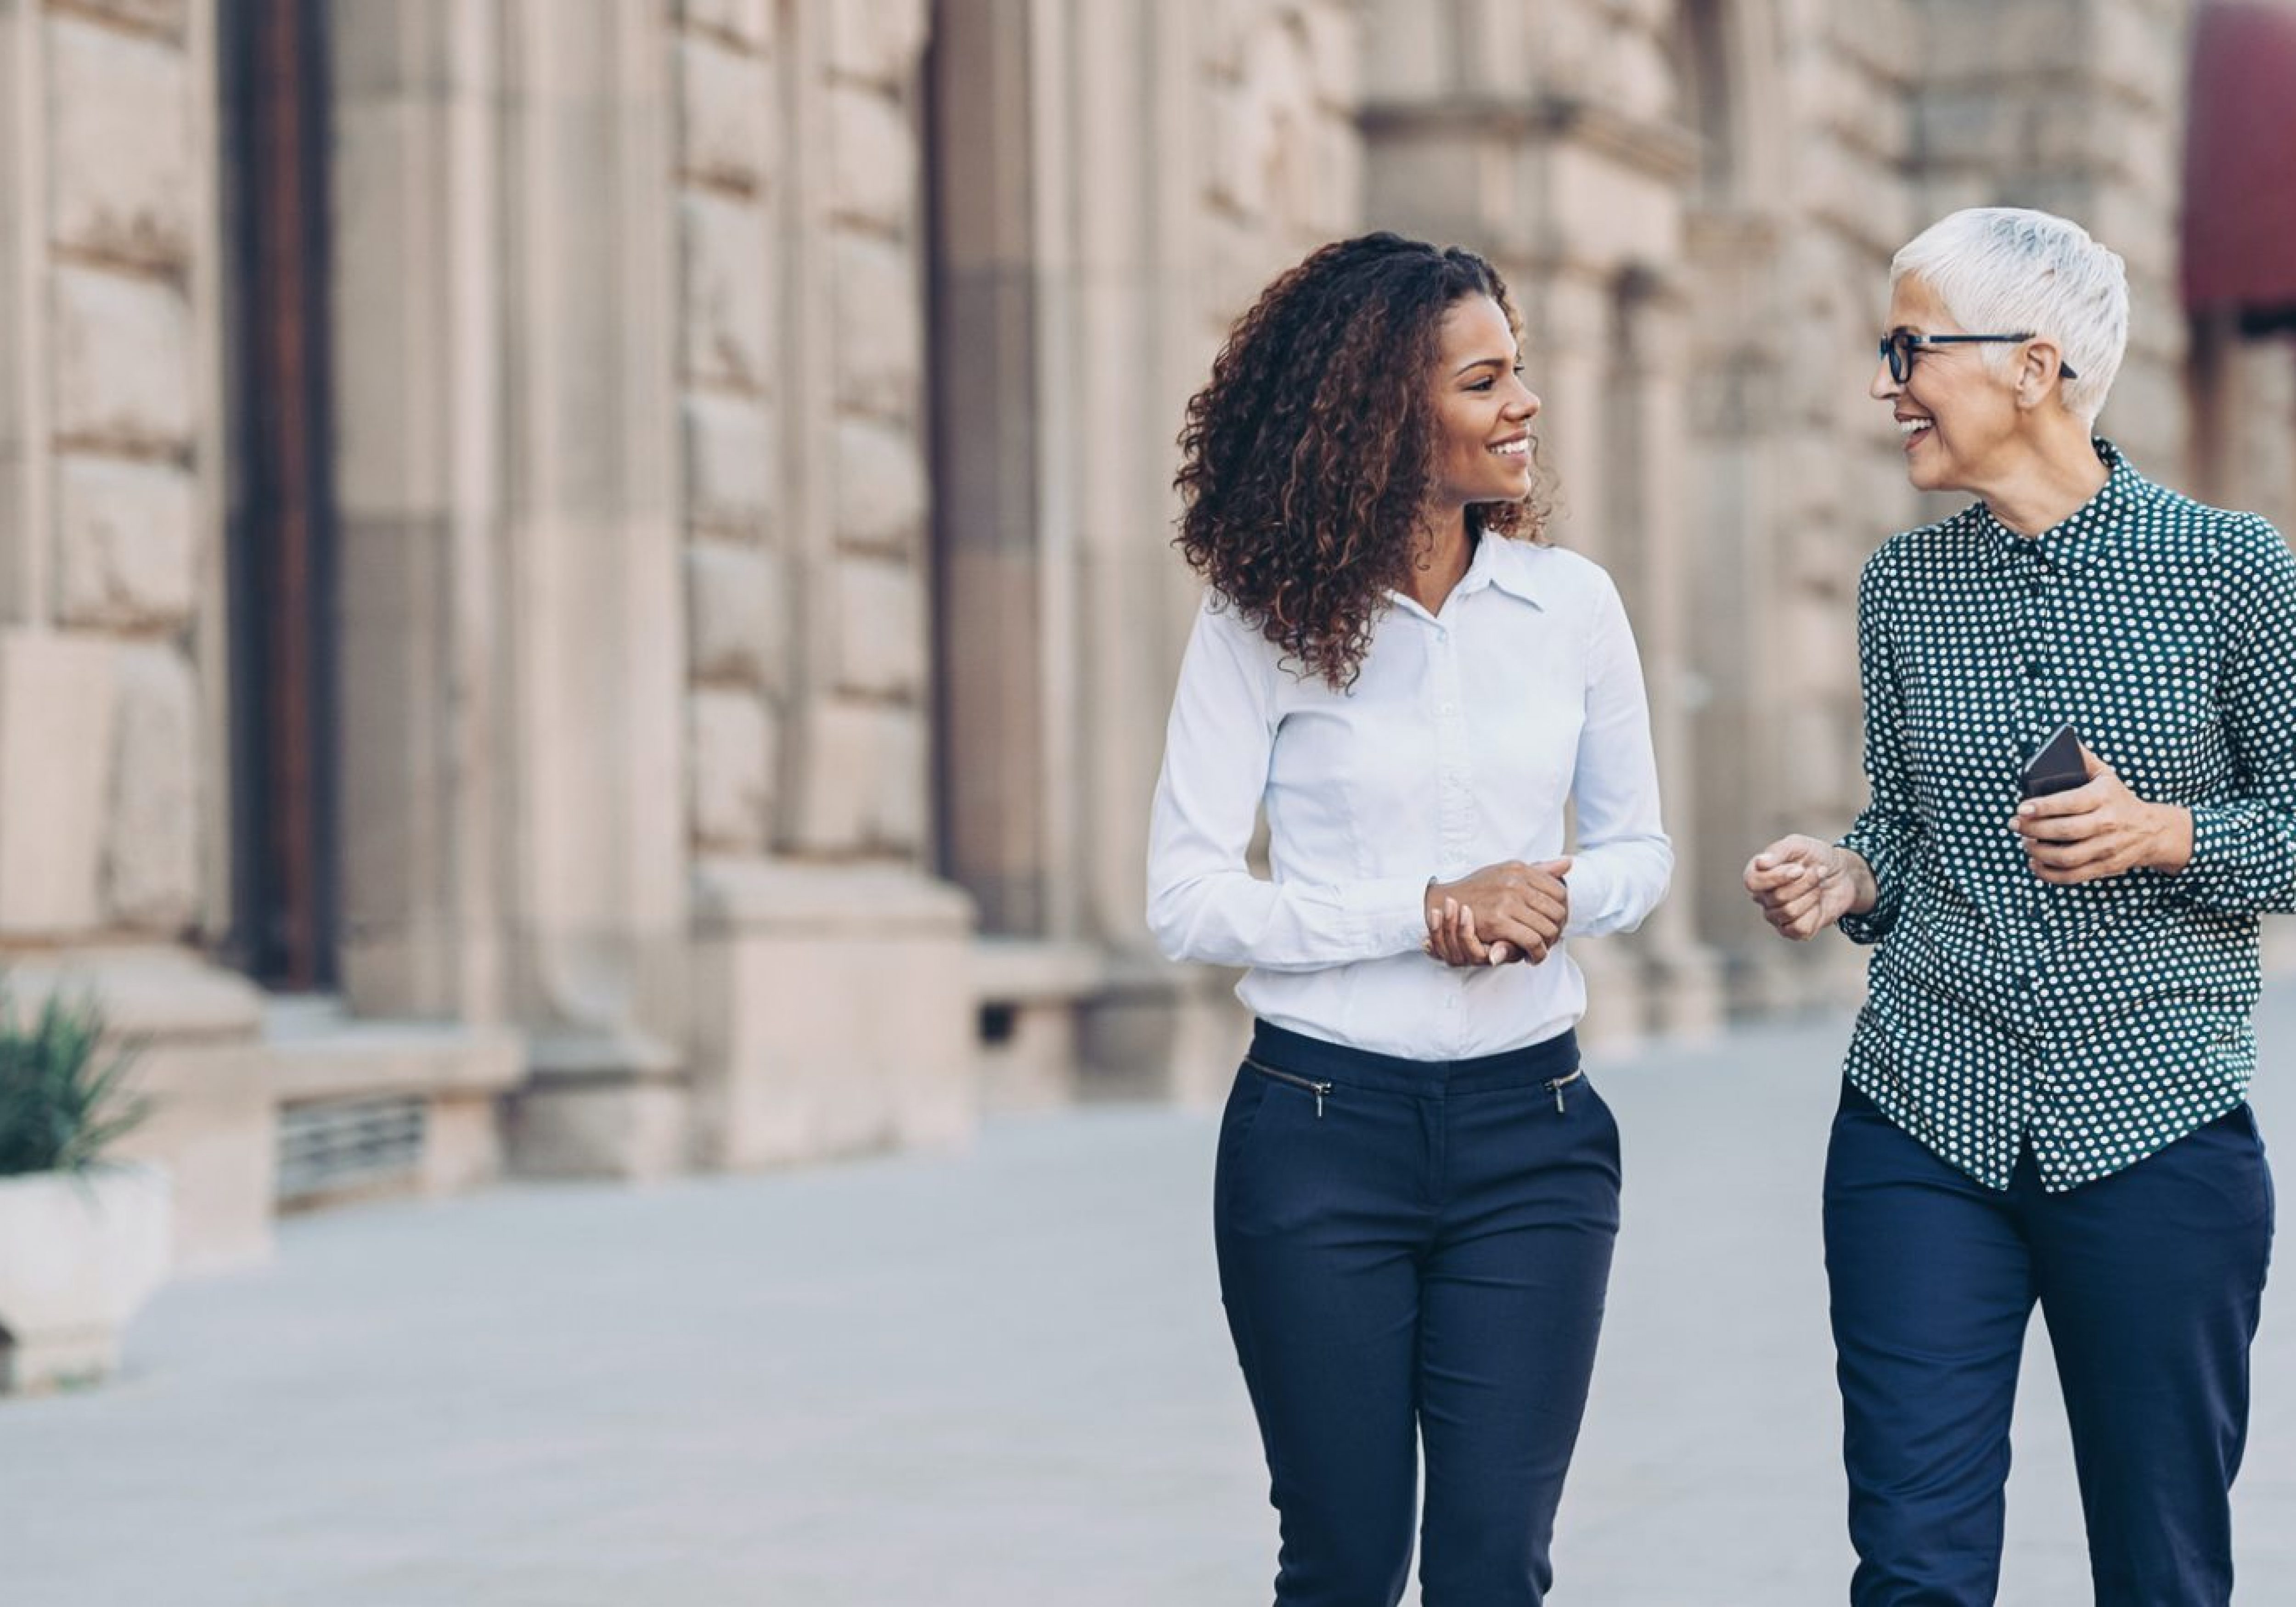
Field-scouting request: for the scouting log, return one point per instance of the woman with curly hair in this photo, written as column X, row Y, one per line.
column 1418, row 1189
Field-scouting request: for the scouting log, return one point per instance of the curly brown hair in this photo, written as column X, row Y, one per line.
column 1305, row 461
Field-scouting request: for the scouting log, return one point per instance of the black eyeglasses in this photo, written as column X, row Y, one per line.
column 1899, row 346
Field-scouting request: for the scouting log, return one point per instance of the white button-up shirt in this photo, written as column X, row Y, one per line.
column 1458, row 747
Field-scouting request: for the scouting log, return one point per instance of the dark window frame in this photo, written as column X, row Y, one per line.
column 276, row 93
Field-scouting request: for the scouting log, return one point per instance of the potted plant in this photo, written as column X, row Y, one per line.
column 83, row 1240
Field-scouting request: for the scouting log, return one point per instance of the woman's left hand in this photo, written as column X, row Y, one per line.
column 1452, row 937
column 2101, row 829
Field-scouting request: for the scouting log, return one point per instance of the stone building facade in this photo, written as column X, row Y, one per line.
column 586, row 583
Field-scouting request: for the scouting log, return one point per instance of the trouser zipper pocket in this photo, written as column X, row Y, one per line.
column 1555, row 1084
column 1320, row 1089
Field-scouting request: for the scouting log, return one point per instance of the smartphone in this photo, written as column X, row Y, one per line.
column 2057, row 768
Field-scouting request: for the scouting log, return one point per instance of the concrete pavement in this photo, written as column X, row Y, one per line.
column 993, row 1380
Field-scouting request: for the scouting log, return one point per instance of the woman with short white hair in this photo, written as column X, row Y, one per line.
column 2080, row 740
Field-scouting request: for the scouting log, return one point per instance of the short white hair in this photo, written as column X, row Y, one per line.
column 2002, row 270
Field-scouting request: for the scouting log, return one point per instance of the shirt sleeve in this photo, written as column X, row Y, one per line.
column 1204, row 904
column 1624, row 859
column 1885, row 832
column 2244, row 846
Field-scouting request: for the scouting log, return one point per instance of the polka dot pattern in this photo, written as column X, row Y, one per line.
column 2100, row 1021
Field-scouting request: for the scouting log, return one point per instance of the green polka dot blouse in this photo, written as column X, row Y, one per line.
column 2098, row 1022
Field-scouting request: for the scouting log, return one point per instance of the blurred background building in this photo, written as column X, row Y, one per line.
column 586, row 583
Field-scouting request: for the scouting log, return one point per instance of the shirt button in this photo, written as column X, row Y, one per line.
column 2034, row 668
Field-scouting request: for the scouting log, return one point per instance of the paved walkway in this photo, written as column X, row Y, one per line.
column 994, row 1379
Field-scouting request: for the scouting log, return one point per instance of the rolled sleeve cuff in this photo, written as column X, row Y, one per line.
column 1874, row 925
column 2237, row 864
column 2212, row 852
column 1389, row 914
column 1593, row 887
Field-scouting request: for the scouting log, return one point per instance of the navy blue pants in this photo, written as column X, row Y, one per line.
column 2150, row 1281
column 1414, row 1254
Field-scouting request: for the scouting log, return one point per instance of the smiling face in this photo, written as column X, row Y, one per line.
column 1960, row 421
column 1482, row 411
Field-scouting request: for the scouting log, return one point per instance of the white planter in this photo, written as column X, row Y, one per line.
column 77, row 1256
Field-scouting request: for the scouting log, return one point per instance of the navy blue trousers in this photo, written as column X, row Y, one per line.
column 1414, row 1254
column 2149, row 1282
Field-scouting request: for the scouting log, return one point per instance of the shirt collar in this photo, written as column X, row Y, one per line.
column 2081, row 538
column 1506, row 563
column 1501, row 561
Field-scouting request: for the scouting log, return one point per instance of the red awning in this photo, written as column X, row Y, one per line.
column 2240, row 158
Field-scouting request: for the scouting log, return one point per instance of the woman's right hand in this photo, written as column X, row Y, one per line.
column 1804, row 885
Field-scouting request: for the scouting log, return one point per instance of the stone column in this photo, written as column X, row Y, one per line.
column 419, row 345
column 1003, row 613
column 1105, row 484
column 1684, row 974
column 1832, row 481
column 1736, row 402
column 1235, row 122
column 1740, row 334
column 593, row 616
column 1569, row 314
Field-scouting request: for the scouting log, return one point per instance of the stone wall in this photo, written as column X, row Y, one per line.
column 736, row 558
column 113, row 662
column 2074, row 106
column 800, row 168
column 110, row 441
column 861, row 774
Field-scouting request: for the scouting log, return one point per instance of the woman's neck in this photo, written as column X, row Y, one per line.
column 2049, row 483
column 1439, row 560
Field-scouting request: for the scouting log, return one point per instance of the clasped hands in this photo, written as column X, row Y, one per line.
column 1501, row 912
